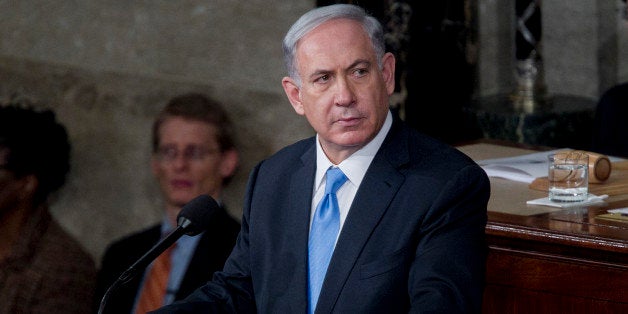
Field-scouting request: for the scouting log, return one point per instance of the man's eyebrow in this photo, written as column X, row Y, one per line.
column 353, row 65
column 360, row 62
column 319, row 72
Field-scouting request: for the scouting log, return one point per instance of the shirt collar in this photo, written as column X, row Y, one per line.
column 167, row 227
column 185, row 244
column 356, row 165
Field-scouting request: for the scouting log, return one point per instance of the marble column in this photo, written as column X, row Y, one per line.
column 530, row 92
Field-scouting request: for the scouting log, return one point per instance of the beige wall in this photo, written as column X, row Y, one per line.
column 107, row 67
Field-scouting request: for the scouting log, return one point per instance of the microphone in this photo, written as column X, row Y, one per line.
column 193, row 219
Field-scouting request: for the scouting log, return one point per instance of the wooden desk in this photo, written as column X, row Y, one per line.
column 546, row 260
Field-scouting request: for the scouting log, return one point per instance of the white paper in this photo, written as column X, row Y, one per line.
column 591, row 200
column 524, row 168
column 619, row 210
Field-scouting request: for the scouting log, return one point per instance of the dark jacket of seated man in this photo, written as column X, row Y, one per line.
column 209, row 256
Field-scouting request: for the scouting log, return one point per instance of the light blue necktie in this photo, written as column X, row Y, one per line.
column 325, row 226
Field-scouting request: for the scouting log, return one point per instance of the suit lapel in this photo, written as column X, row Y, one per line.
column 300, row 200
column 301, row 186
column 378, row 188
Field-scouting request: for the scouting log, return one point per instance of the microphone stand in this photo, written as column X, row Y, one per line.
column 141, row 263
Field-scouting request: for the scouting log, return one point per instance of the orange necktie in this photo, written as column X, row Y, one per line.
column 154, row 289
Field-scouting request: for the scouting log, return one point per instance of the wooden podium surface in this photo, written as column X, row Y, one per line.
column 551, row 260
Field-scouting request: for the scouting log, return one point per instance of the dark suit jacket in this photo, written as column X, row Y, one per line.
column 413, row 239
column 610, row 127
column 211, row 252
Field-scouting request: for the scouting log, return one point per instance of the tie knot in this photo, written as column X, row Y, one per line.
column 335, row 179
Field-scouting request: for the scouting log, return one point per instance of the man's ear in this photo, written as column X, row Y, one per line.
column 294, row 94
column 229, row 163
column 388, row 72
column 28, row 185
column 31, row 183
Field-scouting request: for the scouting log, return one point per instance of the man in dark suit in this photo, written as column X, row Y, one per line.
column 193, row 154
column 406, row 225
column 610, row 130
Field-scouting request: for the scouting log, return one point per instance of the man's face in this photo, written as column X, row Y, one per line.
column 189, row 162
column 343, row 94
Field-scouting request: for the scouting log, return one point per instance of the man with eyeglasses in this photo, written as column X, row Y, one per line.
column 193, row 153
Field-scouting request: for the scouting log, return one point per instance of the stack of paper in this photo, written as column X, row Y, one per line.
column 524, row 168
column 619, row 214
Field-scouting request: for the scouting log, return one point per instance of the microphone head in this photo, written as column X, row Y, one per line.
column 196, row 215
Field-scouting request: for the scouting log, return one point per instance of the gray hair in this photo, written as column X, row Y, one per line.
column 318, row 16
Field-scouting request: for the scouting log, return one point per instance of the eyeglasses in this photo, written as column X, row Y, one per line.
column 190, row 153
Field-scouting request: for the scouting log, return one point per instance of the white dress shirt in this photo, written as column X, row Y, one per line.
column 353, row 167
